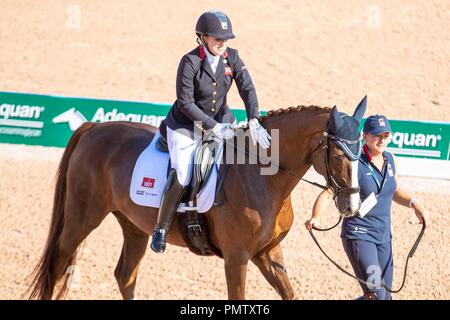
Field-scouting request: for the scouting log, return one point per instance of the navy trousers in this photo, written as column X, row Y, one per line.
column 371, row 262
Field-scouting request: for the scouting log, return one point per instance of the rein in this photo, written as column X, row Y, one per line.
column 232, row 144
column 325, row 149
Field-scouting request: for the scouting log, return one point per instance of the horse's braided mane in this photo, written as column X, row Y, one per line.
column 273, row 113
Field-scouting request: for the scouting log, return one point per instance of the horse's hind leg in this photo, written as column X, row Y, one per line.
column 271, row 264
column 78, row 223
column 133, row 249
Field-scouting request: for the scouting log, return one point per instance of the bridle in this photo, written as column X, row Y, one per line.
column 342, row 143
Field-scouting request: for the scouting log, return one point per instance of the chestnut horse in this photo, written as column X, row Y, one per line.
column 94, row 176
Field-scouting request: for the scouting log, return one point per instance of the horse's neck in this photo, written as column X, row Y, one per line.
column 299, row 135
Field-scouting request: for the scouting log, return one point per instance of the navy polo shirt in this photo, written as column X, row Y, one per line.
column 375, row 226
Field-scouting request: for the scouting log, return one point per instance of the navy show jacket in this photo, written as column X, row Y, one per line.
column 202, row 94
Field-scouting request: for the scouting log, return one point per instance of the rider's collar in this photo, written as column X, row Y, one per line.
column 211, row 58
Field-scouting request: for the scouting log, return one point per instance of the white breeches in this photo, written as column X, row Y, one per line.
column 181, row 151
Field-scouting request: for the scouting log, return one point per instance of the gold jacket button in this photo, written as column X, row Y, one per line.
column 214, row 101
column 214, row 92
column 212, row 110
column 214, row 84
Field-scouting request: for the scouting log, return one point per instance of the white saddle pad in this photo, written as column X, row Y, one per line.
column 150, row 176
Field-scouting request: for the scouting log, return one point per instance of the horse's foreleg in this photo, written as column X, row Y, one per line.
column 271, row 264
column 236, row 273
column 133, row 249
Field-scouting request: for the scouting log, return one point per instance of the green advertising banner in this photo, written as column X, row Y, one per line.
column 49, row 120
column 419, row 139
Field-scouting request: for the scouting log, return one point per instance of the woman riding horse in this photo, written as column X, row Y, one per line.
column 94, row 178
column 203, row 80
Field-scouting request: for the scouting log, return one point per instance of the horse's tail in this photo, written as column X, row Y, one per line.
column 42, row 283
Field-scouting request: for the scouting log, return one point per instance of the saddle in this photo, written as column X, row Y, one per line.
column 194, row 226
column 204, row 159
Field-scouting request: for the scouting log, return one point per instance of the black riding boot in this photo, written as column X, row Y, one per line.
column 173, row 192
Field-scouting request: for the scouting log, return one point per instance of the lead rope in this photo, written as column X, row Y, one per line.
column 410, row 255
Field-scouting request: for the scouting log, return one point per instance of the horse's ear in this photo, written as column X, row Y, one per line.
column 360, row 109
column 335, row 118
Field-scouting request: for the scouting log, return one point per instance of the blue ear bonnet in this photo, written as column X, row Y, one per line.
column 346, row 135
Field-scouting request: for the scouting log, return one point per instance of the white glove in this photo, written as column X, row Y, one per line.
column 223, row 131
column 259, row 134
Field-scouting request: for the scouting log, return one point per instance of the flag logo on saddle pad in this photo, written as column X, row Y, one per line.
column 148, row 182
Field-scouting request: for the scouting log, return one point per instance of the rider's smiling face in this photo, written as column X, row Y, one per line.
column 216, row 46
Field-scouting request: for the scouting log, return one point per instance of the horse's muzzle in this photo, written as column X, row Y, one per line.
column 348, row 205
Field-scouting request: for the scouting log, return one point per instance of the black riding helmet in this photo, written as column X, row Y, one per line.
column 215, row 24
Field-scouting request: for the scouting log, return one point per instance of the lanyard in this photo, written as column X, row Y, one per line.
column 373, row 174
